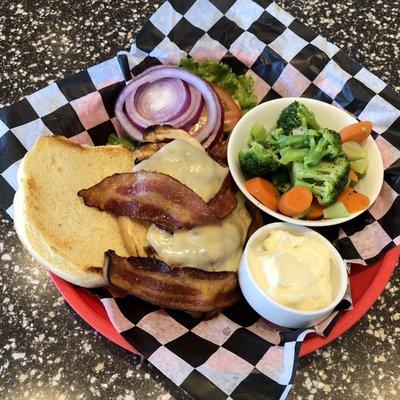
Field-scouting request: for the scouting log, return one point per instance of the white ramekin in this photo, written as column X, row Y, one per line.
column 270, row 309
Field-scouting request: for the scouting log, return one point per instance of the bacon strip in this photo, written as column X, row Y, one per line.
column 219, row 151
column 150, row 196
column 257, row 220
column 145, row 151
column 225, row 201
column 186, row 289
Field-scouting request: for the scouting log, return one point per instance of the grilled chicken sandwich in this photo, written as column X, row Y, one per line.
column 163, row 222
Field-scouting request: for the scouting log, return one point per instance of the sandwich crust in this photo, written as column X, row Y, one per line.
column 52, row 222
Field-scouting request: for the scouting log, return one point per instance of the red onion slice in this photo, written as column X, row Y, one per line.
column 157, row 98
column 200, row 89
column 192, row 114
column 157, row 102
column 183, row 121
column 215, row 135
column 126, row 124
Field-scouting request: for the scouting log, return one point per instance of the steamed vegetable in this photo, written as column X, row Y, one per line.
column 326, row 180
column 353, row 201
column 293, row 155
column 324, row 143
column 281, row 180
column 114, row 139
column 357, row 132
column 328, row 146
column 308, row 138
column 268, row 139
column 307, row 164
column 258, row 161
column 295, row 202
column 353, row 178
column 360, row 167
column 316, row 211
column 354, row 151
column 240, row 87
column 264, row 191
column 296, row 115
column 272, row 138
column 336, row 210
column 259, row 134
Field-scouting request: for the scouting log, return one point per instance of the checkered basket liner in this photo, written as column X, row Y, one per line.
column 236, row 355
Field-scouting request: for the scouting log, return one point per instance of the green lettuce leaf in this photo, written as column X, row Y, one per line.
column 114, row 139
column 239, row 87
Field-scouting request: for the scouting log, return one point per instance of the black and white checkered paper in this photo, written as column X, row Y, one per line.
column 236, row 355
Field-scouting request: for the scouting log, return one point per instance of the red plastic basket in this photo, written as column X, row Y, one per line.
column 367, row 283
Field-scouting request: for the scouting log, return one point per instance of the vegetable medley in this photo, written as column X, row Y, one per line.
column 305, row 170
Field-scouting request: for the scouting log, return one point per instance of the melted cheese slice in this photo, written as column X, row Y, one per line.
column 188, row 164
column 216, row 247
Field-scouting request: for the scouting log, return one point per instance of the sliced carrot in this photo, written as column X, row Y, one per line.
column 263, row 191
column 353, row 176
column 316, row 211
column 295, row 201
column 353, row 201
column 357, row 132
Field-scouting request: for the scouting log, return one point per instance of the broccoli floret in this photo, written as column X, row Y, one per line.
column 277, row 133
column 267, row 139
column 306, row 139
column 257, row 132
column 258, row 161
column 270, row 141
column 294, row 141
column 329, row 145
column 326, row 180
column 281, row 180
column 297, row 115
column 293, row 155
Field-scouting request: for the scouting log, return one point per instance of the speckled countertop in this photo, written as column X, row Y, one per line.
column 46, row 350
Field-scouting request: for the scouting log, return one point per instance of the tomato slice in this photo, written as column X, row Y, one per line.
column 232, row 112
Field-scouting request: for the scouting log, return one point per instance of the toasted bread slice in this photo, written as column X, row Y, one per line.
column 52, row 222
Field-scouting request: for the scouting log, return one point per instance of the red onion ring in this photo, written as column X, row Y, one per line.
column 126, row 124
column 191, row 115
column 213, row 138
column 200, row 91
column 157, row 102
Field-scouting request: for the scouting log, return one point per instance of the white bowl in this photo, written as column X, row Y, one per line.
column 269, row 308
column 327, row 116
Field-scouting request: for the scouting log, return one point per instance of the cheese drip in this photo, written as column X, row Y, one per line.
column 190, row 165
column 216, row 247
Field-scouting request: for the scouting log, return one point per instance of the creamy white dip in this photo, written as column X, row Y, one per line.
column 295, row 271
